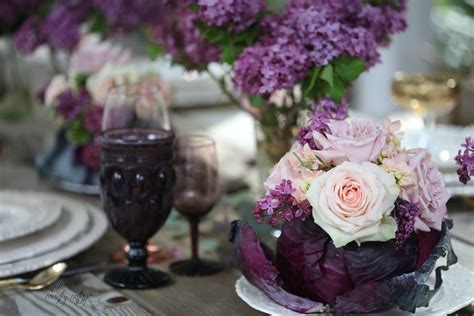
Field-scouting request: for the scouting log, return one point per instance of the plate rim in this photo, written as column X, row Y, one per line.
column 97, row 227
column 33, row 226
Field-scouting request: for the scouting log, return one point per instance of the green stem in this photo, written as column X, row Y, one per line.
column 223, row 87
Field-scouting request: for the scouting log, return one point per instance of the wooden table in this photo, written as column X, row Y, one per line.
column 214, row 295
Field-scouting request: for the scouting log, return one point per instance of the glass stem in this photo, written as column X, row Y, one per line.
column 194, row 228
column 429, row 121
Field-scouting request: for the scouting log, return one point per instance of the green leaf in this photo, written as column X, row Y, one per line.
column 77, row 134
column 81, row 80
column 194, row 7
column 337, row 91
column 349, row 68
column 256, row 101
column 99, row 24
column 215, row 35
column 228, row 54
column 154, row 50
column 327, row 74
column 310, row 81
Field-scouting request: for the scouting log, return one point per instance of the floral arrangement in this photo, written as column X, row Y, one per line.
column 77, row 98
column 280, row 61
column 363, row 219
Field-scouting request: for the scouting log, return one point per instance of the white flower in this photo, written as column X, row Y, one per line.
column 93, row 54
column 56, row 86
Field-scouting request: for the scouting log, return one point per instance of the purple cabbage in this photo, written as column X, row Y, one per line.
column 308, row 272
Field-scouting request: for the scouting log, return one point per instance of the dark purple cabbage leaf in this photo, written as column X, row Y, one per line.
column 352, row 279
column 255, row 262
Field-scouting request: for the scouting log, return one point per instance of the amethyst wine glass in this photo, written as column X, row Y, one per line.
column 195, row 193
column 137, row 177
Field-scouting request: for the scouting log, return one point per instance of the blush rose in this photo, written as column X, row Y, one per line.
column 429, row 191
column 353, row 202
column 356, row 141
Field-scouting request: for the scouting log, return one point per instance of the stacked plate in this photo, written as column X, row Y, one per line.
column 444, row 144
column 38, row 229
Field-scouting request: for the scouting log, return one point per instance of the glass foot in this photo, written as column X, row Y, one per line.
column 196, row 267
column 128, row 278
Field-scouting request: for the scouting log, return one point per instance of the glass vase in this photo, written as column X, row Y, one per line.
column 15, row 96
column 273, row 142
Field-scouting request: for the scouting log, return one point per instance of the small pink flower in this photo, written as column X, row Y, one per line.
column 399, row 168
column 429, row 190
column 358, row 140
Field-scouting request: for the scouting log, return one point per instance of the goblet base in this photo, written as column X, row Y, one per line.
column 196, row 267
column 137, row 278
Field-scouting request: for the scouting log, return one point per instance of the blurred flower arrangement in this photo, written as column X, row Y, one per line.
column 76, row 99
column 363, row 220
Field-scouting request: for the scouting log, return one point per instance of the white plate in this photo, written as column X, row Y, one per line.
column 96, row 228
column 456, row 292
column 69, row 225
column 20, row 217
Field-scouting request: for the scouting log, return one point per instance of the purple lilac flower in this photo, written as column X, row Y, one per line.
column 92, row 120
column 70, row 103
column 383, row 20
column 263, row 69
column 180, row 38
column 124, row 15
column 62, row 29
column 465, row 161
column 279, row 205
column 29, row 36
column 236, row 15
column 89, row 155
column 405, row 214
column 320, row 114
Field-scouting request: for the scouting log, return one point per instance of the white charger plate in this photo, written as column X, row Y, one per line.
column 95, row 229
column 70, row 224
column 456, row 292
column 20, row 217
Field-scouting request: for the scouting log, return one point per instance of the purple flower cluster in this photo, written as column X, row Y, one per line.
column 70, row 104
column 180, row 37
column 60, row 29
column 263, row 69
column 92, row 119
column 89, row 155
column 236, row 15
column 315, row 32
column 279, row 205
column 405, row 215
column 465, row 161
column 321, row 113
column 13, row 12
column 124, row 15
column 29, row 36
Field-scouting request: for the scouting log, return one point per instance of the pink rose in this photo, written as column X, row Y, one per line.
column 358, row 140
column 300, row 166
column 353, row 202
column 429, row 190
